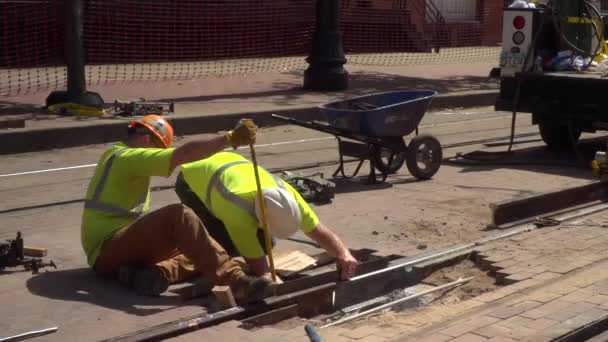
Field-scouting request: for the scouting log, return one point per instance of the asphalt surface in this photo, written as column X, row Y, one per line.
column 403, row 216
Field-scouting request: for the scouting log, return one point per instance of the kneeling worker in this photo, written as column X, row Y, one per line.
column 222, row 190
column 150, row 250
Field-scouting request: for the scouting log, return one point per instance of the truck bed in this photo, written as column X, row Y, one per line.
column 565, row 92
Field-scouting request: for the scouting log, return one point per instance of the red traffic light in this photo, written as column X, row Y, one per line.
column 519, row 22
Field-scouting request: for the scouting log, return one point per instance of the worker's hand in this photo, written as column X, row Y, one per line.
column 347, row 265
column 243, row 133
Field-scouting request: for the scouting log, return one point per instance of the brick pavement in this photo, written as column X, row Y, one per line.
column 548, row 295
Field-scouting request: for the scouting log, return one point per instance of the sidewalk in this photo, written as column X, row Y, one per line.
column 214, row 104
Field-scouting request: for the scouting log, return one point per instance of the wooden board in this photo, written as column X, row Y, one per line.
column 34, row 252
column 292, row 262
column 224, row 295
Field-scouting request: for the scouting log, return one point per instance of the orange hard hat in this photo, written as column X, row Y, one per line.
column 158, row 126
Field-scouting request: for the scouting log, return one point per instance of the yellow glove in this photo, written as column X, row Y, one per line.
column 243, row 133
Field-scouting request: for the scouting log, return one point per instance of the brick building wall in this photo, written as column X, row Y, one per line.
column 490, row 19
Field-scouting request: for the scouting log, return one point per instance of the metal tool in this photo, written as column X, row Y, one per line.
column 263, row 210
column 29, row 335
column 143, row 107
column 315, row 188
column 12, row 255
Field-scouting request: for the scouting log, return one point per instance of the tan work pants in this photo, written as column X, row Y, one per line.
column 173, row 239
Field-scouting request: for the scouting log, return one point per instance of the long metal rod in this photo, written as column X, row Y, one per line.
column 393, row 303
column 29, row 335
column 414, row 262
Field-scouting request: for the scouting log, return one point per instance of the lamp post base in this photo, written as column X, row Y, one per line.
column 88, row 98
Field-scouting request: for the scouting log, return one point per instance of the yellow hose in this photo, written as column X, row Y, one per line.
column 263, row 212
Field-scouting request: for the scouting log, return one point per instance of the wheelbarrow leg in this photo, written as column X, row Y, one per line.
column 340, row 169
column 372, row 178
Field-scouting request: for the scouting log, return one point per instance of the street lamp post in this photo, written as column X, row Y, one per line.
column 325, row 71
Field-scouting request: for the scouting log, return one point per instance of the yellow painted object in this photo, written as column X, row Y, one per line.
column 263, row 211
column 603, row 54
column 75, row 109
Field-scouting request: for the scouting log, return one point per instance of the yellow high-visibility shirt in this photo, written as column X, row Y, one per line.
column 119, row 192
column 235, row 206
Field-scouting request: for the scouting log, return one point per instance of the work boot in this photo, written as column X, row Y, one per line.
column 248, row 289
column 147, row 281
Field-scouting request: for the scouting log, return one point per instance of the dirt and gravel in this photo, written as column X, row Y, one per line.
column 481, row 283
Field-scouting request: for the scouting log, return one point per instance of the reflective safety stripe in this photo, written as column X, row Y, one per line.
column 96, row 204
column 228, row 195
column 279, row 181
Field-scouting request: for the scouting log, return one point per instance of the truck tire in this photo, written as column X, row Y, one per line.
column 558, row 136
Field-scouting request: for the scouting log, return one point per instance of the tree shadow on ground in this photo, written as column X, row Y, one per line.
column 83, row 285
column 360, row 83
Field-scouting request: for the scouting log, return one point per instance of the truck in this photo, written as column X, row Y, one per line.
column 554, row 64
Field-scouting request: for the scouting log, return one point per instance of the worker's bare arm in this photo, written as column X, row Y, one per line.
column 198, row 149
column 336, row 248
column 243, row 134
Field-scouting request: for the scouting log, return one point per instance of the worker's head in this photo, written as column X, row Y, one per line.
column 150, row 131
column 282, row 212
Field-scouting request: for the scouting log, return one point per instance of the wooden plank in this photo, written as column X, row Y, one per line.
column 200, row 287
column 35, row 252
column 224, row 295
column 529, row 207
column 292, row 262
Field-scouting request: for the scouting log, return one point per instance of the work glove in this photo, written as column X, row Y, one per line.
column 243, row 133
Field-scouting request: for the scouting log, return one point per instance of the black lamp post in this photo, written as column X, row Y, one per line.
column 325, row 71
column 74, row 52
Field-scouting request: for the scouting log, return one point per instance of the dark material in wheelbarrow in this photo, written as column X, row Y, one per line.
column 389, row 114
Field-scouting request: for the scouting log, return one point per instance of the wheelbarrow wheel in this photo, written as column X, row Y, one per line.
column 382, row 156
column 424, row 156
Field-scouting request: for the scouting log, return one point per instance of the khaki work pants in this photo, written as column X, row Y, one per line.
column 173, row 239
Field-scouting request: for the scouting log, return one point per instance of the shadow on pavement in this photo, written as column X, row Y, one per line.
column 83, row 285
column 360, row 184
column 360, row 83
column 13, row 108
column 539, row 159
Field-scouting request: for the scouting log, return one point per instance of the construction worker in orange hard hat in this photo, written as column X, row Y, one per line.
column 148, row 250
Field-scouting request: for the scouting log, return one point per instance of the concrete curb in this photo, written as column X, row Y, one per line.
column 103, row 132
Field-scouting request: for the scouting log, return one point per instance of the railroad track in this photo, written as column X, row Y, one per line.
column 319, row 291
